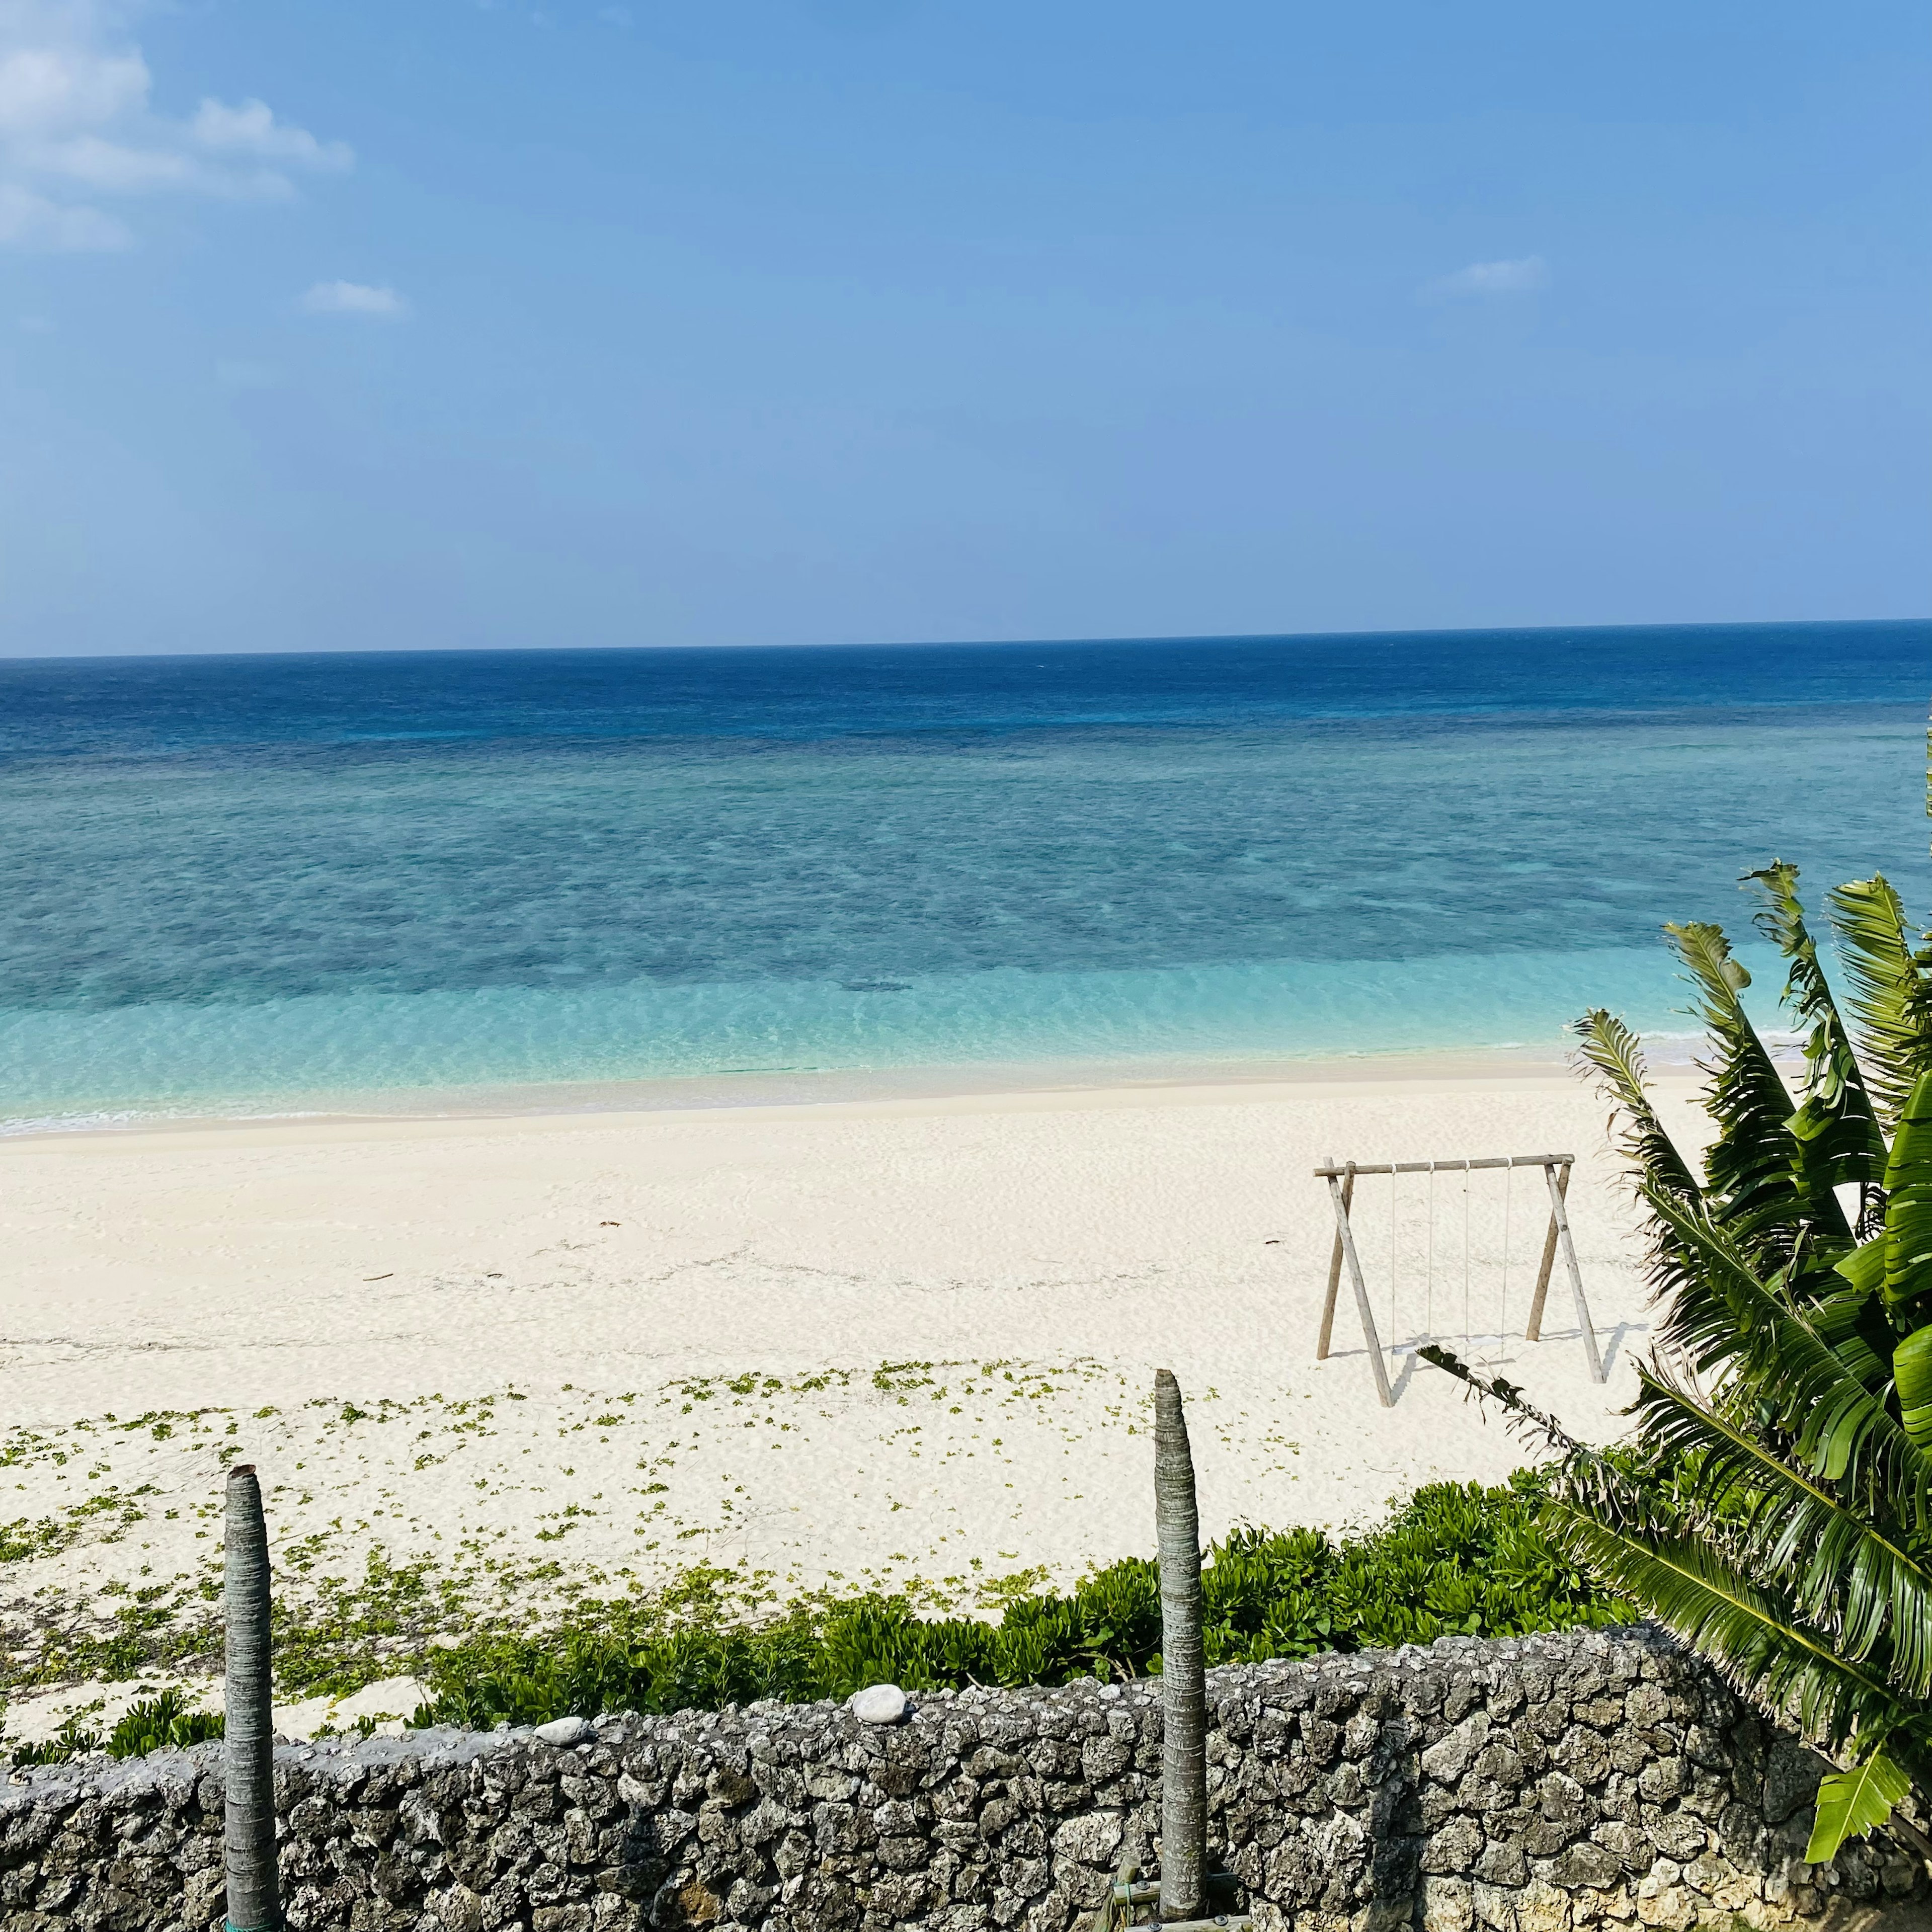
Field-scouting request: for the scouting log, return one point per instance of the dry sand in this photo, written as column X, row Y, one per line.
column 905, row 1340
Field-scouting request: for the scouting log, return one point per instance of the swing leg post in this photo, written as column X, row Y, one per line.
column 1569, row 1247
column 1534, row 1333
column 1334, row 1270
column 1344, row 1237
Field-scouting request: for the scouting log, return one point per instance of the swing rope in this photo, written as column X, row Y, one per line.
column 1395, row 1253
column 1502, row 1293
column 1429, row 1266
column 1468, row 1348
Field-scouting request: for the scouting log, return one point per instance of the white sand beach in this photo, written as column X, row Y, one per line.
column 901, row 1340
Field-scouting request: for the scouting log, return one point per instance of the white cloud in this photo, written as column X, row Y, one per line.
column 1492, row 278
column 76, row 122
column 30, row 220
column 355, row 298
column 252, row 129
column 50, row 80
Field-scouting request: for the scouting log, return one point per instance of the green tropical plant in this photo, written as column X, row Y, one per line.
column 163, row 1722
column 1773, row 1506
column 1453, row 1559
column 73, row 1739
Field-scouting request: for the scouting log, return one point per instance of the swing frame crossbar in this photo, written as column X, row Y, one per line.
column 1340, row 1177
column 1349, row 1167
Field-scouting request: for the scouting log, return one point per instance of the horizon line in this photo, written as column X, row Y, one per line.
column 968, row 643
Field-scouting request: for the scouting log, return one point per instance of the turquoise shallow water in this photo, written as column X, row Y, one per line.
column 245, row 883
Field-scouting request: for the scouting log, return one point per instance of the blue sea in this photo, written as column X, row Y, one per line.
column 270, row 882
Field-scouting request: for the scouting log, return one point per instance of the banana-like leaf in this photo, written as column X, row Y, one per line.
column 1912, row 1372
column 1837, row 1127
column 1852, row 1803
column 1843, row 1575
column 1765, row 1195
column 1854, row 1324
column 1609, row 1046
column 1747, row 1630
column 1863, row 1267
column 1723, row 1315
column 1908, row 1207
column 1889, row 990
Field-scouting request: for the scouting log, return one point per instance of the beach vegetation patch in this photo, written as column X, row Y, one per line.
column 615, row 1515
column 164, row 1722
column 1455, row 1559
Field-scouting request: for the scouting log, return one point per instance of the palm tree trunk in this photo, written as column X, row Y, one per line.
column 1183, row 1768
column 254, row 1902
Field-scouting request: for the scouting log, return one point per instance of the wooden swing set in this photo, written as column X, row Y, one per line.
column 1341, row 1179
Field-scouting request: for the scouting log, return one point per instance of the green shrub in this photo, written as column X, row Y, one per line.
column 1456, row 1559
column 71, row 1740
column 162, row 1723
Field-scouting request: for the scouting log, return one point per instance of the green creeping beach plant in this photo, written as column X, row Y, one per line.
column 163, row 1722
column 73, row 1739
column 1774, row 1506
column 1454, row 1559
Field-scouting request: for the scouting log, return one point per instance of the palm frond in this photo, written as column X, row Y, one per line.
column 1836, row 1129
column 1523, row 1415
column 1751, row 1634
column 1889, row 991
column 1773, row 1506
column 1855, row 1326
column 1754, row 1166
column 1845, row 1579
column 1606, row 1044
column 1723, row 1316
column 1705, row 1552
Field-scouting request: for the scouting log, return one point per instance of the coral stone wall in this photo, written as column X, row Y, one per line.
column 1528, row 1786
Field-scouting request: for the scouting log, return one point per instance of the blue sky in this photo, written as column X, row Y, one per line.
column 427, row 323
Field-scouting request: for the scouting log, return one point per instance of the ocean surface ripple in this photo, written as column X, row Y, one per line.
column 234, row 882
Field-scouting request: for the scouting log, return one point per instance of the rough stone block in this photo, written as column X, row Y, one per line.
column 1092, row 1840
column 1447, row 1905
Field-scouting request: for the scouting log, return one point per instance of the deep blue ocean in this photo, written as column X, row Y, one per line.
column 271, row 881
